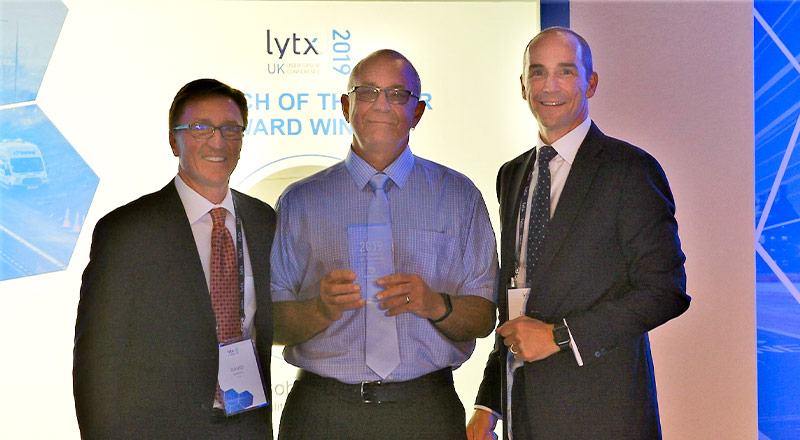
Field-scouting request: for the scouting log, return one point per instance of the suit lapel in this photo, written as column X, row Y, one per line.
column 577, row 185
column 518, row 182
column 254, row 229
column 510, row 201
column 174, row 219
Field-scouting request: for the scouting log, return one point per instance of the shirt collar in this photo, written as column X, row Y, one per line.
column 567, row 146
column 197, row 206
column 398, row 171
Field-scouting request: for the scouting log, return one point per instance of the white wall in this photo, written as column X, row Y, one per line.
column 118, row 64
column 676, row 78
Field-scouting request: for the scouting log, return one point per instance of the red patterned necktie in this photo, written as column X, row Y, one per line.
column 224, row 279
column 224, row 286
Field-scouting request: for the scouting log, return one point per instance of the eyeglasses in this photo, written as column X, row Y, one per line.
column 370, row 94
column 199, row 130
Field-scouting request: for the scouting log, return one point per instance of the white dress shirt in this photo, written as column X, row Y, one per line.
column 567, row 148
column 197, row 210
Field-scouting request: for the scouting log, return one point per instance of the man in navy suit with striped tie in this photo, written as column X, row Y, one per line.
column 590, row 262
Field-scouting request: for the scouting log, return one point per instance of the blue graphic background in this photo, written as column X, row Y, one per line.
column 39, row 226
column 236, row 402
column 28, row 33
column 776, row 44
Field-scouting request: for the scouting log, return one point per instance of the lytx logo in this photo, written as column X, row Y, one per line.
column 283, row 45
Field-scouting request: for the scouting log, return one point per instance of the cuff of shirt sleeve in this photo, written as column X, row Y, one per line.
column 487, row 409
column 574, row 346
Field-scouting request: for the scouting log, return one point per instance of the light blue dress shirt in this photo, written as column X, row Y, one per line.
column 440, row 230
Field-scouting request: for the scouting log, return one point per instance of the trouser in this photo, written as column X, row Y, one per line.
column 519, row 410
column 423, row 408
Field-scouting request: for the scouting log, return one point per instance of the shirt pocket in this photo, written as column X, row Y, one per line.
column 434, row 256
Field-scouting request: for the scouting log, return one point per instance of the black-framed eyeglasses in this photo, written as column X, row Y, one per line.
column 199, row 130
column 393, row 95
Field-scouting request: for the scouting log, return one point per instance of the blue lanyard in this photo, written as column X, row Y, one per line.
column 522, row 211
column 239, row 261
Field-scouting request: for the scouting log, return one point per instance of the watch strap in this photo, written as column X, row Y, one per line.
column 448, row 308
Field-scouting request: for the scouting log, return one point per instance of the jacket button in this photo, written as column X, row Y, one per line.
column 597, row 354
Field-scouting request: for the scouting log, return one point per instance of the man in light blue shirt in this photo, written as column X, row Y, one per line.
column 441, row 291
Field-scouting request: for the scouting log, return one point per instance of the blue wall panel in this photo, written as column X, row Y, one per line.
column 776, row 100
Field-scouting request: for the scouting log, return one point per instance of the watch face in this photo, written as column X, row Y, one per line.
column 561, row 335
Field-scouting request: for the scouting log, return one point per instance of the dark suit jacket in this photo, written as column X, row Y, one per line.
column 613, row 267
column 146, row 357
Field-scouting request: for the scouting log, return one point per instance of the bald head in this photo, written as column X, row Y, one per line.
column 415, row 84
column 585, row 51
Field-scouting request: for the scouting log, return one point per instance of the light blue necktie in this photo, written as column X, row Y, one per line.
column 382, row 348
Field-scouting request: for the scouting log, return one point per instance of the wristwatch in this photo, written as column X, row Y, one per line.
column 448, row 308
column 561, row 335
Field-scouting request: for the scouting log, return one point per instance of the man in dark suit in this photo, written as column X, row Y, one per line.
column 146, row 339
column 581, row 285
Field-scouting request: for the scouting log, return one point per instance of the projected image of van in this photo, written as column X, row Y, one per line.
column 21, row 164
column 45, row 191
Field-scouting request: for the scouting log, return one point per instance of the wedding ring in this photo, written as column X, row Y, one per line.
column 407, row 299
column 511, row 348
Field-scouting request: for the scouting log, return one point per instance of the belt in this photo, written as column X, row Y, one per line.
column 379, row 392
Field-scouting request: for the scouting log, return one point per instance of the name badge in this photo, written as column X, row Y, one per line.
column 370, row 255
column 240, row 377
column 516, row 302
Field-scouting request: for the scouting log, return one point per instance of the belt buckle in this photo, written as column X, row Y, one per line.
column 368, row 394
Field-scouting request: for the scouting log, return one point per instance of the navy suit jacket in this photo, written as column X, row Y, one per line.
column 611, row 265
column 146, row 358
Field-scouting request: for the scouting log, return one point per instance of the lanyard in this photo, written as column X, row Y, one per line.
column 521, row 235
column 239, row 262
